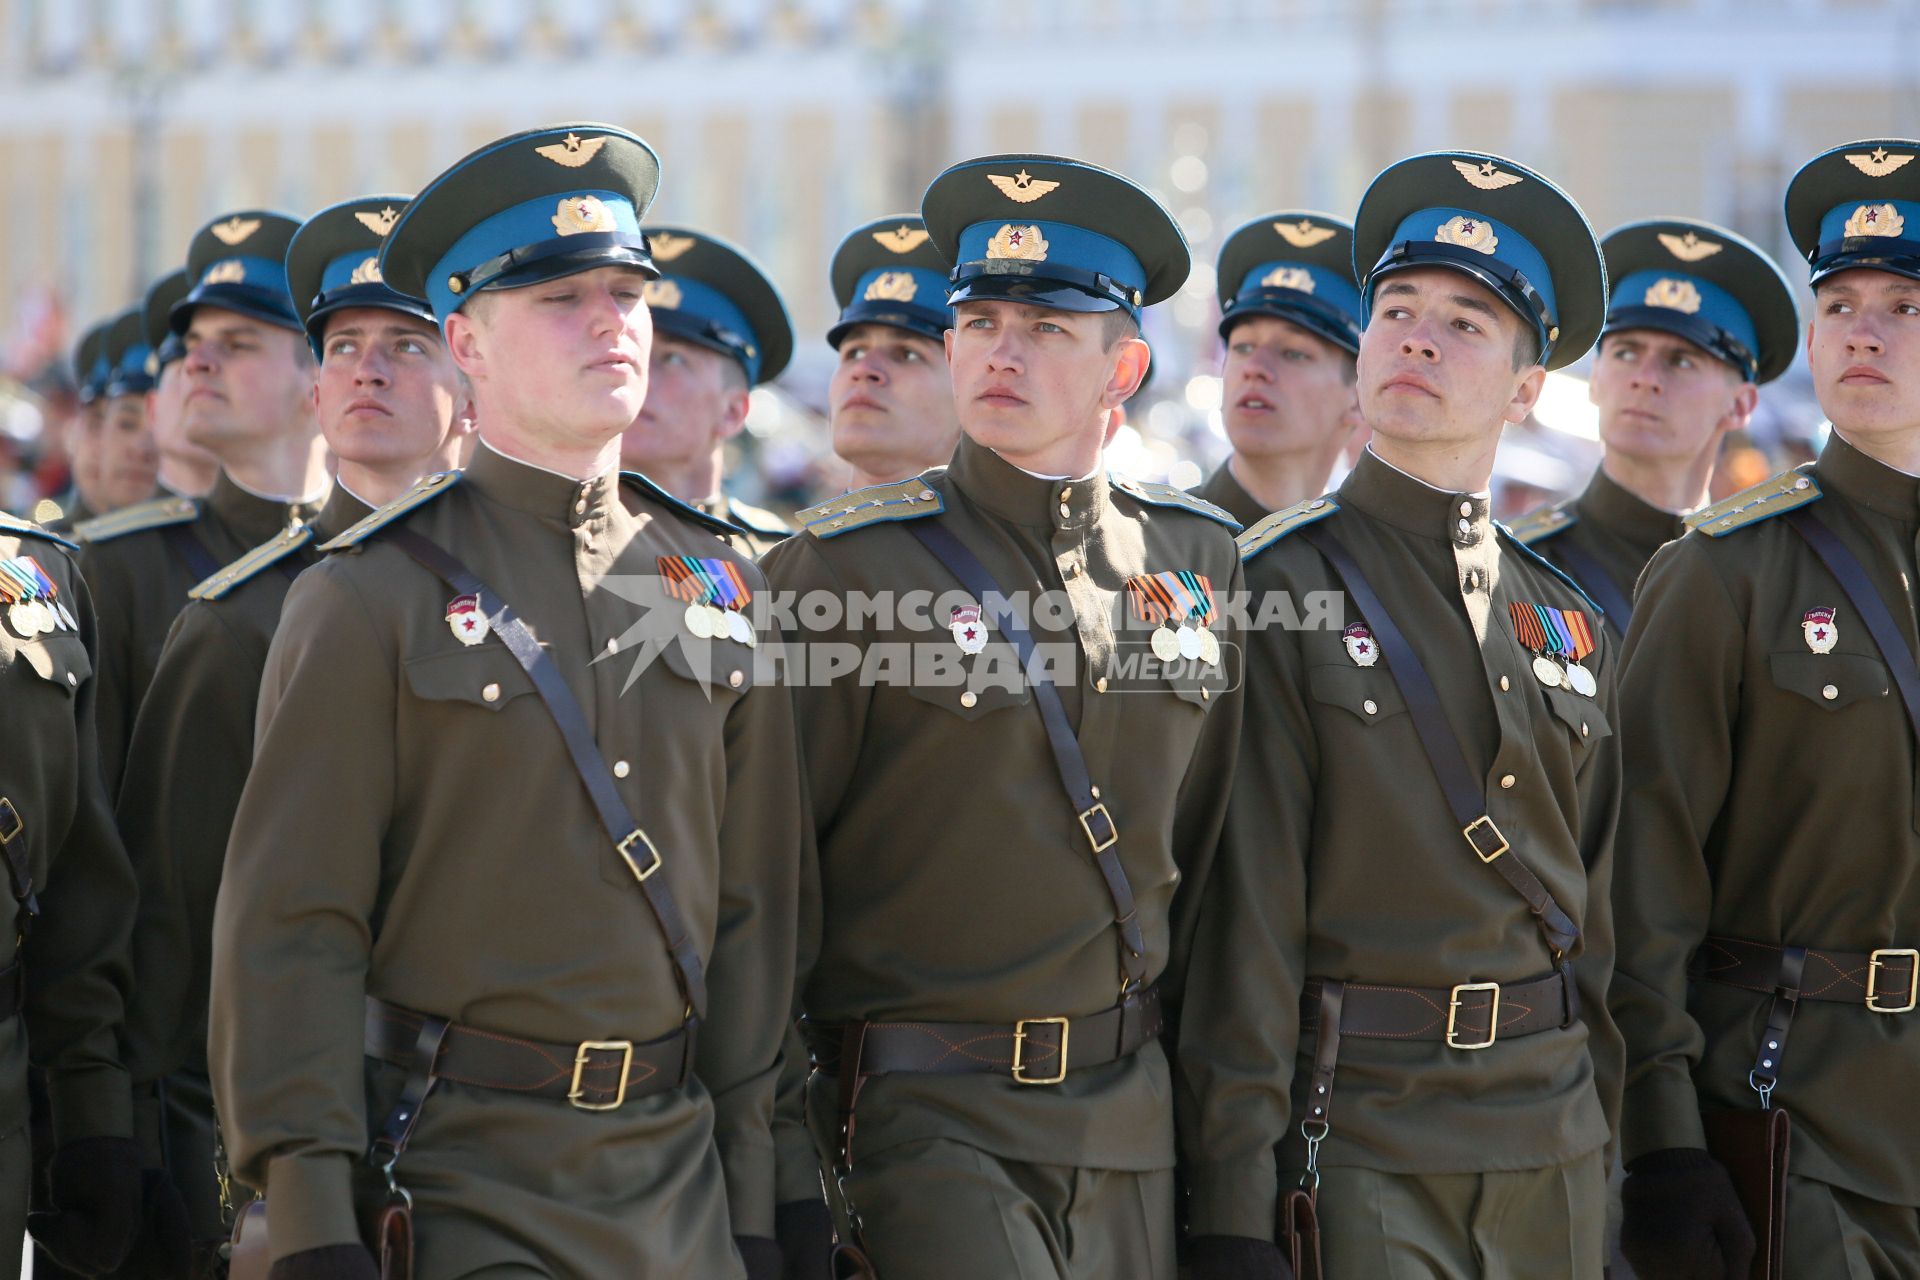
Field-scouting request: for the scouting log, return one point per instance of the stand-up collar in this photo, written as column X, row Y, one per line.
column 537, row 491
column 1013, row 494
column 1613, row 506
column 342, row 511
column 1873, row 484
column 1388, row 494
column 252, row 518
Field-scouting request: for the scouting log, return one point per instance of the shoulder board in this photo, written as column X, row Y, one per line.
column 756, row 520
column 1784, row 492
column 877, row 504
column 424, row 491
column 157, row 514
column 28, row 529
column 288, row 541
column 1542, row 562
column 1166, row 495
column 1272, row 528
column 711, row 523
column 1537, row 526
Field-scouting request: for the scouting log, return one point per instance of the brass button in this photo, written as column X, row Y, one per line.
column 1066, row 512
column 621, row 768
column 491, row 693
column 1101, row 684
column 1466, row 526
column 1505, row 684
column 737, row 679
column 1827, row 691
column 969, row 698
column 613, row 644
column 1583, row 730
column 1372, row 707
column 1066, row 491
column 1205, row 693
column 1466, row 508
column 1507, row 781
column 581, row 505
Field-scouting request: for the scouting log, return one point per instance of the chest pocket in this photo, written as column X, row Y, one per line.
column 1369, row 694
column 1582, row 716
column 724, row 667
column 484, row 676
column 60, row 660
column 978, row 694
column 1831, row 681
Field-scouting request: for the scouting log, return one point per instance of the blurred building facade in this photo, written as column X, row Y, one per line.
column 125, row 123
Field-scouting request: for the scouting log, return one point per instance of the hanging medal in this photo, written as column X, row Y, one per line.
column 716, row 596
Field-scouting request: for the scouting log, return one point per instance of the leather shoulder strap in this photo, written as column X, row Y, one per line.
column 1846, row 567
column 1596, row 584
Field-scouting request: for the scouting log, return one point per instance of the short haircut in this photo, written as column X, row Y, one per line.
column 1117, row 326
column 1526, row 347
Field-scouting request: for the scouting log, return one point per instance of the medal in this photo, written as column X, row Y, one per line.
column 1165, row 645
column 20, row 618
column 715, row 592
column 1547, row 671
column 1817, row 626
column 1209, row 648
column 1582, row 680
column 739, row 629
column 1361, row 646
column 1170, row 601
column 66, row 617
column 716, row 622
column 697, row 621
column 969, row 632
column 464, row 618
column 1189, row 642
column 43, row 617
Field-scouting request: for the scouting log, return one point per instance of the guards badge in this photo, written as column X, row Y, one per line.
column 1817, row 626
column 464, row 619
column 969, row 632
column 1361, row 646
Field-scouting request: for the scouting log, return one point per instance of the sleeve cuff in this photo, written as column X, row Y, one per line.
column 797, row 1167
column 312, row 1199
column 90, row 1102
column 1659, row 1112
column 749, row 1172
column 1236, row 1199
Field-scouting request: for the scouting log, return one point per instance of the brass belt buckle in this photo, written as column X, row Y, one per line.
column 1484, row 821
column 1493, row 1014
column 1099, row 845
column 1881, row 956
column 1020, row 1050
column 625, row 848
column 575, row 1096
column 12, row 824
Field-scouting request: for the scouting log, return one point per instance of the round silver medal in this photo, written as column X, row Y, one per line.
column 1166, row 645
column 1189, row 641
column 1582, row 680
column 698, row 622
column 1548, row 672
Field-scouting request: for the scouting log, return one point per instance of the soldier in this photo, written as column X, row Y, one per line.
column 436, row 887
column 720, row 329
column 1699, row 319
column 1767, row 880
column 1290, row 316
column 890, row 402
column 186, row 469
column 62, row 985
column 1445, row 935
column 126, row 461
column 249, row 401
column 392, row 408
column 91, row 369
column 1043, row 1146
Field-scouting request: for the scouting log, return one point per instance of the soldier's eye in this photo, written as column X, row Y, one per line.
column 908, row 355
column 850, row 353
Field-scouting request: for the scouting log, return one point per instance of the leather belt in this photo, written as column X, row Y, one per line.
column 1472, row 1015
column 593, row 1075
column 1031, row 1050
column 1885, row 980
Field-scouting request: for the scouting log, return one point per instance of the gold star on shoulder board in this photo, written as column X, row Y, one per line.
column 1022, row 187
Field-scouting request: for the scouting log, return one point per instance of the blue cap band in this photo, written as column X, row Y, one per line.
column 1870, row 233
column 1053, row 251
column 497, row 249
column 1695, row 309
column 700, row 313
column 1501, row 257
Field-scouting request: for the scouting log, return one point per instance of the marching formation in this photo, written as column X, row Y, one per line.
column 450, row 837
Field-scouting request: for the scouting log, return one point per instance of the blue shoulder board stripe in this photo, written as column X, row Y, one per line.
column 423, row 492
column 877, row 504
column 1279, row 524
column 1166, row 495
column 1550, row 567
column 28, row 529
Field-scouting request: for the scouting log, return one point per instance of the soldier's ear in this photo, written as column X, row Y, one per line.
column 1526, row 394
column 463, row 344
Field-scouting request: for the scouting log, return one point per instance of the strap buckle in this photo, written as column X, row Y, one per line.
column 1475, row 841
column 1493, row 1015
column 625, row 849
column 1020, row 1034
column 1880, row 957
column 12, row 824
column 576, row 1096
column 1099, row 844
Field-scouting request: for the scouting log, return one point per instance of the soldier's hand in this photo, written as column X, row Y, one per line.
column 761, row 1255
column 1236, row 1258
column 94, row 1190
column 1682, row 1220
column 805, row 1231
column 329, row 1262
column 163, row 1245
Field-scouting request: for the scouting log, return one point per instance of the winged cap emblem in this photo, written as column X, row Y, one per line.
column 379, row 223
column 234, row 230
column 1689, row 247
column 1022, row 187
column 573, row 150
column 1486, row 175
column 901, row 239
column 1878, row 163
column 666, row 246
column 1305, row 233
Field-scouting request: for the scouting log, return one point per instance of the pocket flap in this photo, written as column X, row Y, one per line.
column 1368, row 692
column 1831, row 680
column 485, row 675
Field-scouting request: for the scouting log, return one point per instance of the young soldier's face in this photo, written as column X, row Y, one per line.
column 696, row 398
column 564, row 360
column 1286, row 390
column 1437, row 360
column 166, row 407
column 245, row 379
column 387, row 392
column 125, row 464
column 1663, row 399
column 891, row 401
column 1863, row 346
column 1028, row 380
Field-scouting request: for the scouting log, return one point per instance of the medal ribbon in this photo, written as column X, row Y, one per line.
column 1201, row 588
column 47, row 590
column 1580, row 630
column 729, row 587
column 1152, row 602
column 680, row 580
column 1527, row 627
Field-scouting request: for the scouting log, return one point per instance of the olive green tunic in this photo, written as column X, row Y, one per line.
column 954, row 880
column 74, row 953
column 413, row 829
column 1341, row 859
column 755, row 530
column 1616, row 529
column 1227, row 493
column 188, row 760
column 1776, row 804
column 139, row 584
